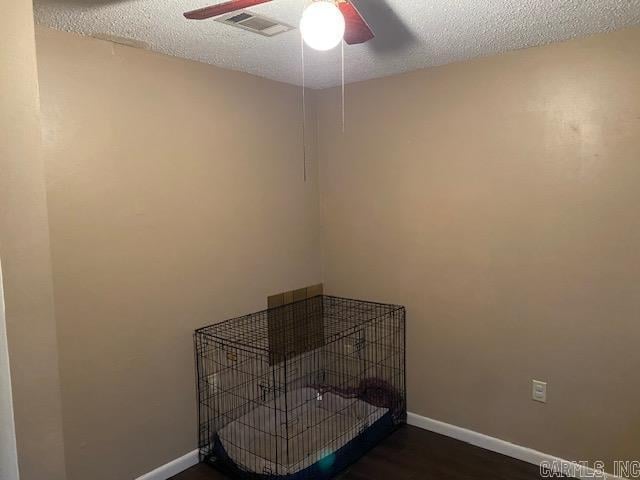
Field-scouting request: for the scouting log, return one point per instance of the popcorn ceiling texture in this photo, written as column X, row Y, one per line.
column 411, row 34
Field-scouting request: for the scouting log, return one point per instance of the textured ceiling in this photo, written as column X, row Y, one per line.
column 411, row 34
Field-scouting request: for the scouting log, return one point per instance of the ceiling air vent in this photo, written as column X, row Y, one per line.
column 254, row 23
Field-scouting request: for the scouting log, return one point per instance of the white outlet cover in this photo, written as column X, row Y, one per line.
column 539, row 391
column 213, row 384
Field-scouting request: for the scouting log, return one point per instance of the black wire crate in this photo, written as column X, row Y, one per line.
column 302, row 390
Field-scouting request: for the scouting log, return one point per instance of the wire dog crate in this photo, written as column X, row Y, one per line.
column 302, row 390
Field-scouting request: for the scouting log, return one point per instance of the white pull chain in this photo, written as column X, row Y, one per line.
column 342, row 46
column 304, row 115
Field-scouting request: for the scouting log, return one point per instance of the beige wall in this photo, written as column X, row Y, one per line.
column 498, row 199
column 24, row 257
column 176, row 199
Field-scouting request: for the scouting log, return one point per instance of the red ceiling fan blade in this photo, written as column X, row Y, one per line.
column 356, row 29
column 222, row 8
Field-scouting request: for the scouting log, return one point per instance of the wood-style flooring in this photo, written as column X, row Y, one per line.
column 414, row 454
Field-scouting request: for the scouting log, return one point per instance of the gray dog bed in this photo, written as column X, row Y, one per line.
column 267, row 441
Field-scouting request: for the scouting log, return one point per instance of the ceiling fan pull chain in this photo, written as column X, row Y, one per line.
column 304, row 115
column 342, row 45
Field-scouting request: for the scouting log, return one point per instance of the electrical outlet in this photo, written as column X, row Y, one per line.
column 355, row 343
column 539, row 391
column 213, row 384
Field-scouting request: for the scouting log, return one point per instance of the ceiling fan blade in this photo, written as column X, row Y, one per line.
column 222, row 8
column 393, row 35
column 356, row 29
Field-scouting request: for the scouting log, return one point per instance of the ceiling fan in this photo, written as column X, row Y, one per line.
column 339, row 19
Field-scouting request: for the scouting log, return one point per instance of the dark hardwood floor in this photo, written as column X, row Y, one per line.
column 415, row 454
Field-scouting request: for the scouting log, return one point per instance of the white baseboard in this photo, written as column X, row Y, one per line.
column 469, row 436
column 505, row 448
column 172, row 468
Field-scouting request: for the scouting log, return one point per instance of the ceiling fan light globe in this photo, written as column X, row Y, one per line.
column 322, row 25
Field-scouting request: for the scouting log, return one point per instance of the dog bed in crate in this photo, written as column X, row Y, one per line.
column 301, row 443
